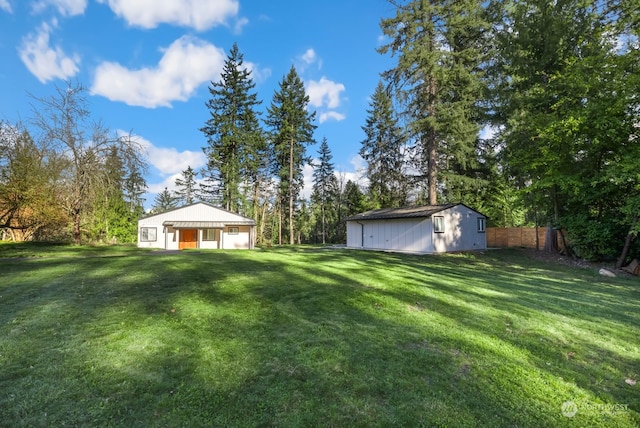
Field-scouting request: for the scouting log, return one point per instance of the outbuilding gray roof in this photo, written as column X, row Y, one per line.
column 406, row 212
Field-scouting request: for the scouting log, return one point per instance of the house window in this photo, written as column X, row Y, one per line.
column 438, row 224
column 233, row 231
column 148, row 234
column 481, row 224
column 209, row 235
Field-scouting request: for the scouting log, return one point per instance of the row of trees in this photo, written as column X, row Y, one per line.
column 255, row 167
column 68, row 177
column 526, row 110
column 556, row 82
column 553, row 86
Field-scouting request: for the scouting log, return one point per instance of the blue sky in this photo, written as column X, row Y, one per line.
column 148, row 65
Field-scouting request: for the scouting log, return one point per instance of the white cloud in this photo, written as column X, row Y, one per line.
column 307, row 59
column 6, row 6
column 64, row 7
column 185, row 65
column 240, row 24
column 198, row 14
column 46, row 62
column 258, row 75
column 325, row 95
column 357, row 175
column 309, row 56
column 324, row 92
column 169, row 161
column 307, row 172
column 331, row 115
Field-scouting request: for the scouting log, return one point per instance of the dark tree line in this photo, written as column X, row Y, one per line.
column 556, row 82
column 527, row 111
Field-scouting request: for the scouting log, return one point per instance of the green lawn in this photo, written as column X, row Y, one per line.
column 307, row 336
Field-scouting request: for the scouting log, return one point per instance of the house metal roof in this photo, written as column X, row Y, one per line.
column 206, row 224
column 146, row 216
column 406, row 212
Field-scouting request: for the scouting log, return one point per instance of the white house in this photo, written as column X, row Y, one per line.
column 425, row 229
column 199, row 225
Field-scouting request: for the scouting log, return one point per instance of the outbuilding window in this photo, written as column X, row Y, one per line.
column 481, row 224
column 438, row 224
column 148, row 234
column 233, row 231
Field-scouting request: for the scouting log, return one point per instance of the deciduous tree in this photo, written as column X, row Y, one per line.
column 67, row 128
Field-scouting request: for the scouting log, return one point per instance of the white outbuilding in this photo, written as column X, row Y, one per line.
column 199, row 225
column 423, row 229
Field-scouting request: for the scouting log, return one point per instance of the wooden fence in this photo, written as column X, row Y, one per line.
column 515, row 237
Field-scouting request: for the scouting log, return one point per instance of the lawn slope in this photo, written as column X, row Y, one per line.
column 306, row 336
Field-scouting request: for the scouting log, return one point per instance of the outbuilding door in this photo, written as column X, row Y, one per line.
column 188, row 238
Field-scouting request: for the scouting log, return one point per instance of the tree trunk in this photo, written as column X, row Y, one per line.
column 291, row 236
column 627, row 244
column 432, row 148
column 280, row 226
column 76, row 226
column 551, row 240
column 323, row 225
column 535, row 219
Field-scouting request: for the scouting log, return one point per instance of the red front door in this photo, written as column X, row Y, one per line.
column 188, row 238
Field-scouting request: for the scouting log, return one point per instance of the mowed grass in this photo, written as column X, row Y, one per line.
column 306, row 336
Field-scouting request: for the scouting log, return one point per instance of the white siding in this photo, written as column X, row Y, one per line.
column 169, row 238
column 210, row 245
column 239, row 241
column 354, row 234
column 411, row 235
column 460, row 231
column 416, row 235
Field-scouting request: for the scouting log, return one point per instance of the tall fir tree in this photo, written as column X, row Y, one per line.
column 236, row 147
column 383, row 151
column 325, row 187
column 291, row 131
column 440, row 51
column 164, row 201
column 186, row 187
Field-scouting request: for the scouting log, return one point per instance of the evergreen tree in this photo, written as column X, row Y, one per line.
column 353, row 202
column 291, row 130
column 438, row 77
column 110, row 213
column 164, row 201
column 236, row 145
column 185, row 192
column 382, row 149
column 325, row 187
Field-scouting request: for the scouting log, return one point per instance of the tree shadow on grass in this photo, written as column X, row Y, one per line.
column 274, row 338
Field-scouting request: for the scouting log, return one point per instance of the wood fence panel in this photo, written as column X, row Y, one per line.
column 515, row 237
